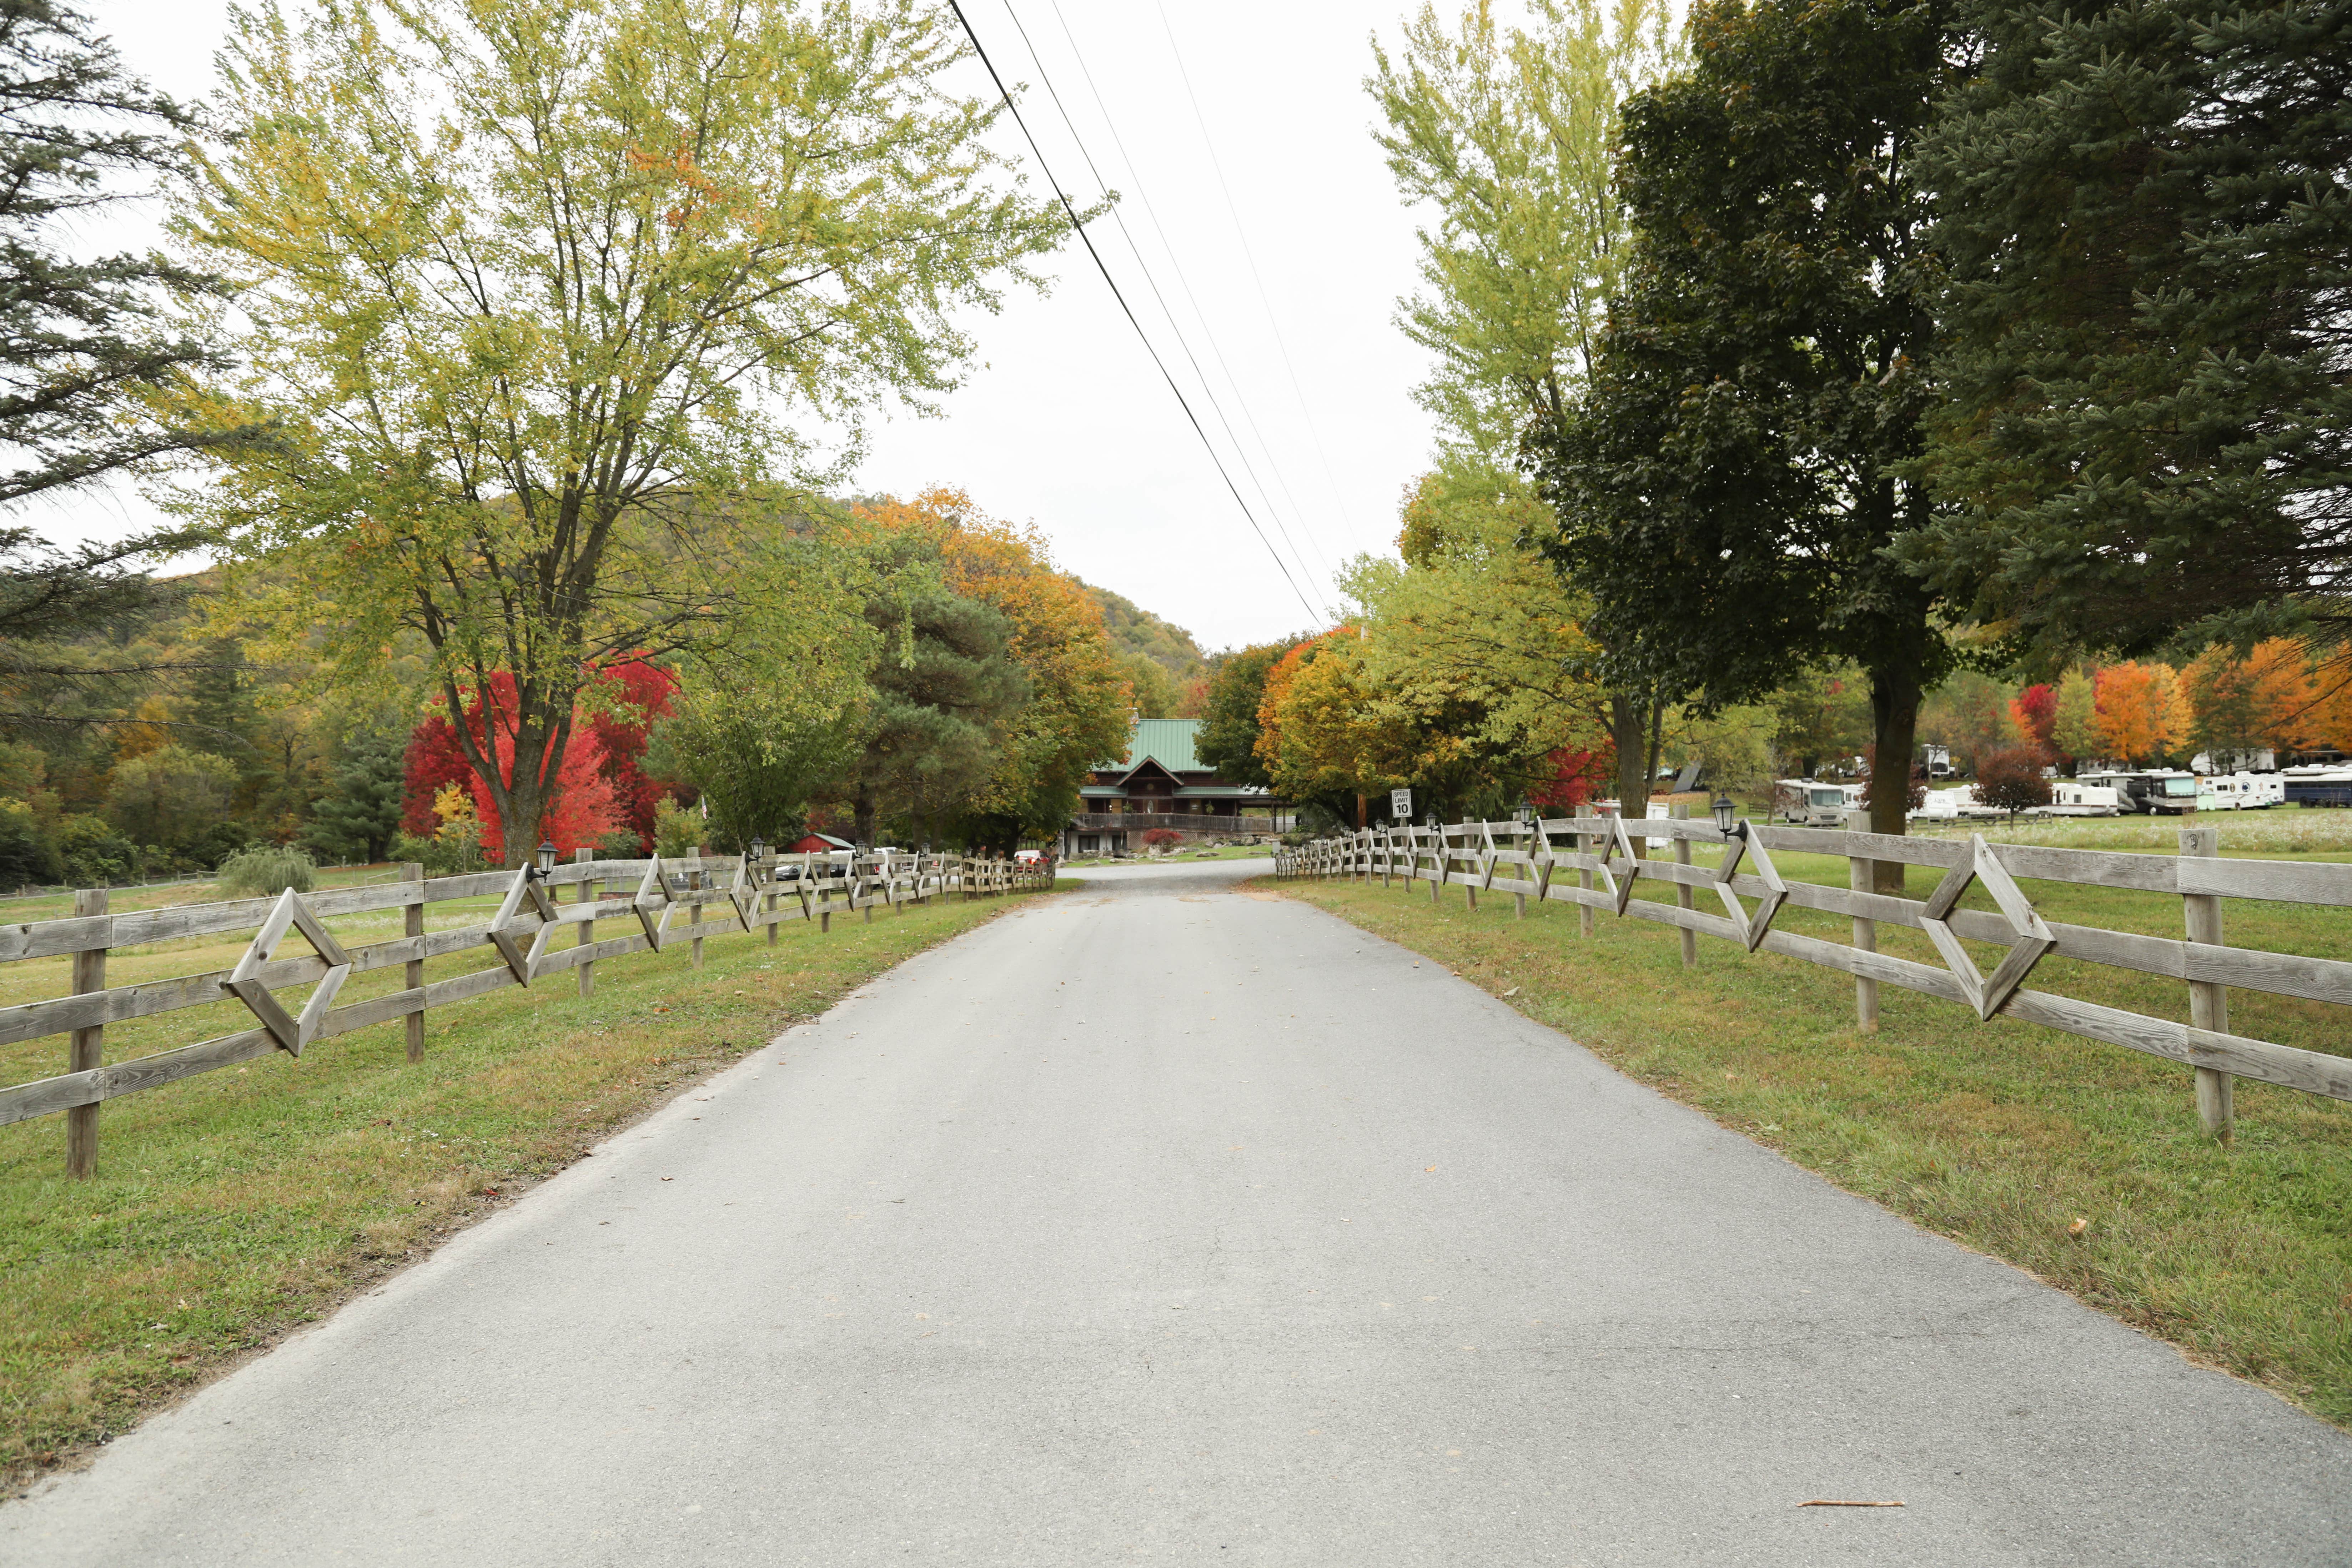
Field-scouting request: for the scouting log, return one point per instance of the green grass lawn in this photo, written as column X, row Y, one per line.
column 231, row 1206
column 2000, row 1135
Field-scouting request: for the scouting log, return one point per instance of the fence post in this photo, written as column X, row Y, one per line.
column 694, row 885
column 771, row 901
column 1584, row 881
column 412, row 923
column 587, row 895
column 2209, row 1003
column 87, row 1046
column 1861, row 877
column 1680, row 812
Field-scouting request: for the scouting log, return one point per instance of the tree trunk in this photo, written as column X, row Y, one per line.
column 862, row 808
column 1895, row 718
column 1629, row 731
column 522, row 802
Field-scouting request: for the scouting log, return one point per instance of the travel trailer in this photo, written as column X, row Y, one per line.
column 2072, row 797
column 2242, row 792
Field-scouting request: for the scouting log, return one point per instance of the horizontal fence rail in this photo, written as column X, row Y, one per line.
column 291, row 946
column 1589, row 861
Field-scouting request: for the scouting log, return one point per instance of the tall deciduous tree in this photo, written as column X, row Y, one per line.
column 531, row 288
column 1228, row 737
column 2265, row 699
column 2141, row 714
column 1729, row 490
column 1505, row 135
column 2147, row 230
column 1475, row 646
column 2074, row 723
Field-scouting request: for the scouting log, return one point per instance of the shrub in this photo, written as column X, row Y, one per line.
column 2010, row 779
column 677, row 828
column 265, row 870
column 95, row 855
column 621, row 844
column 1162, row 838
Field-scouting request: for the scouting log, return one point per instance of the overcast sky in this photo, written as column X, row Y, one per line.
column 1284, row 233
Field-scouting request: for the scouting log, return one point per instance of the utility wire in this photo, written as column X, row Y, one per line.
column 1216, row 350
column 1208, row 387
column 1243, row 233
column 1087, row 240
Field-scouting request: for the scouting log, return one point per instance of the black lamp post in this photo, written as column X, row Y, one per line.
column 1726, row 814
column 546, row 858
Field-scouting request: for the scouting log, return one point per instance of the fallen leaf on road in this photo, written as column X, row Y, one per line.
column 669, row 1178
column 1426, row 1169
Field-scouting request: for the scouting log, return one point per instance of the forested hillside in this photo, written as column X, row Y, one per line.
column 1166, row 666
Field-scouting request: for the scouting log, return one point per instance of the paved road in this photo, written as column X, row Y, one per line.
column 1171, row 1223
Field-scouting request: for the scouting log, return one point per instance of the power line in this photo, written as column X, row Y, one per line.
column 1087, row 240
column 1242, row 233
column 1216, row 350
column 1175, row 328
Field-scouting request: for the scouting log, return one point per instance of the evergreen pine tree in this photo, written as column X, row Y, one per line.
column 78, row 334
column 2144, row 215
column 363, row 812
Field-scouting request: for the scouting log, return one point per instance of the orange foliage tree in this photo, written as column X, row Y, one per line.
column 2267, row 699
column 2141, row 716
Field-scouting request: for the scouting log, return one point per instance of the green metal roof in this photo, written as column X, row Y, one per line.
column 1168, row 741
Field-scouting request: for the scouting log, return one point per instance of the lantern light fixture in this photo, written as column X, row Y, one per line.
column 1726, row 814
column 546, row 858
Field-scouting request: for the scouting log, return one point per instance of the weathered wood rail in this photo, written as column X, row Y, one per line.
column 1562, row 860
column 748, row 895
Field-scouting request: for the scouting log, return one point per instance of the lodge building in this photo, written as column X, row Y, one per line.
column 1162, row 782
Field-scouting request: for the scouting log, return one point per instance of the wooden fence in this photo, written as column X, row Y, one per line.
column 647, row 894
column 1534, row 860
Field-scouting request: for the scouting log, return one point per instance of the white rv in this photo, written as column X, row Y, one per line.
column 1812, row 803
column 2072, row 797
column 2242, row 792
column 2157, row 791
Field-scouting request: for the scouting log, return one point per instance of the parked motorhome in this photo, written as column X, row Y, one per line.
column 1939, row 761
column 1813, row 803
column 2155, row 792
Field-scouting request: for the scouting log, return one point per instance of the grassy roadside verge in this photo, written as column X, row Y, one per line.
column 2001, row 1136
column 231, row 1207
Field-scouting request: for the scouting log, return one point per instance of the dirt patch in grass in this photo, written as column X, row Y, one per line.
column 231, row 1208
column 2002, row 1136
